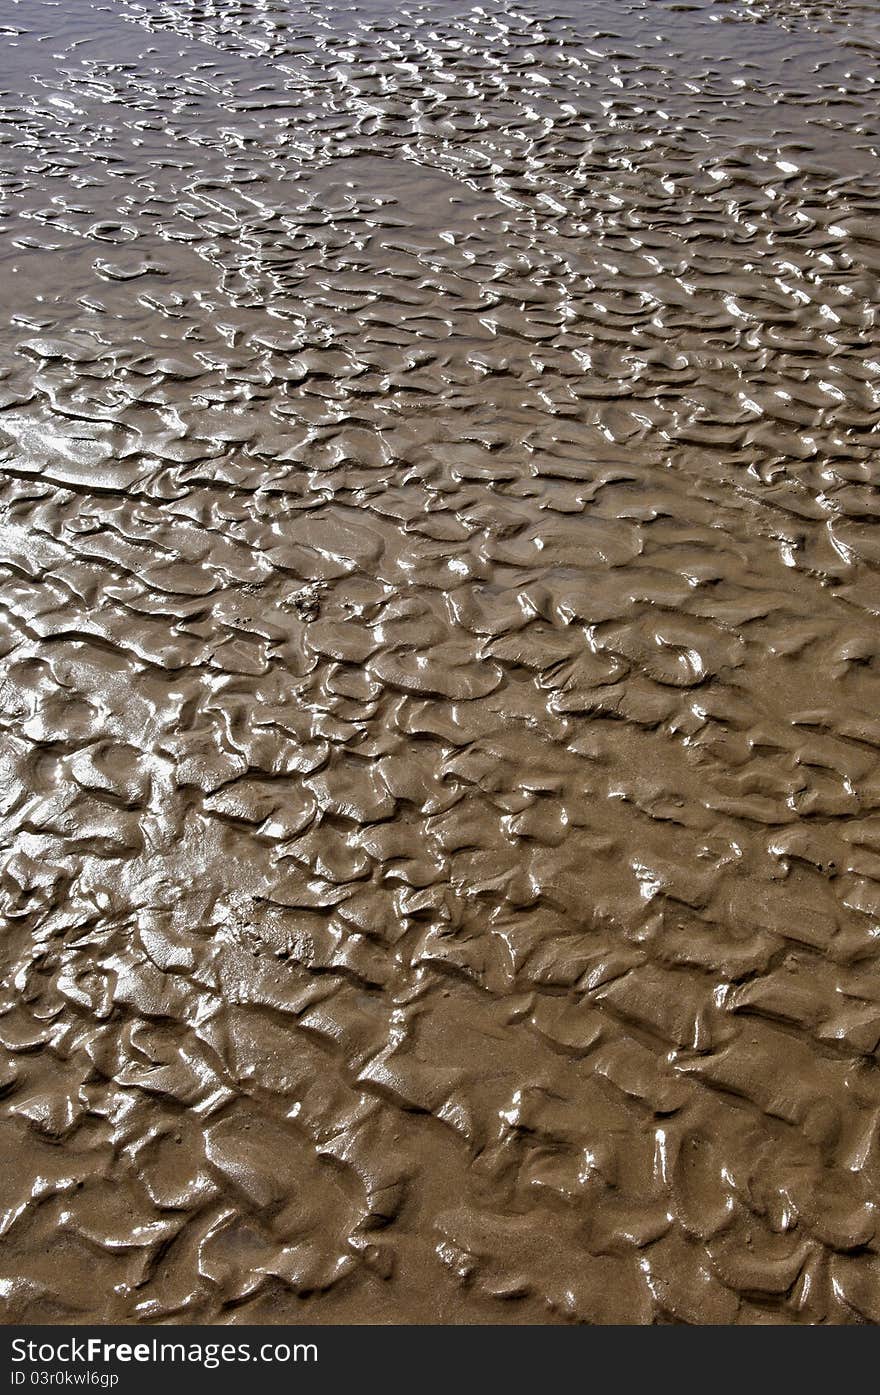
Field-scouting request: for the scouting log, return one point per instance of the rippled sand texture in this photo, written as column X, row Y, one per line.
column 440, row 589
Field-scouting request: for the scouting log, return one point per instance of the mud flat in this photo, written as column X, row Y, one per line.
column 440, row 628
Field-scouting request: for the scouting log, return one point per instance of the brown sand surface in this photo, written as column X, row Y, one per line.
column 440, row 635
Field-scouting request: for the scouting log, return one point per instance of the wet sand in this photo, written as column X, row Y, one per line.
column 440, row 632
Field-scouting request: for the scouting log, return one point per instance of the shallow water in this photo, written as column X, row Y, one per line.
column 440, row 586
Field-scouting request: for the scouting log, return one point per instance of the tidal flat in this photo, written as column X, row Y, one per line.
column 439, row 662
